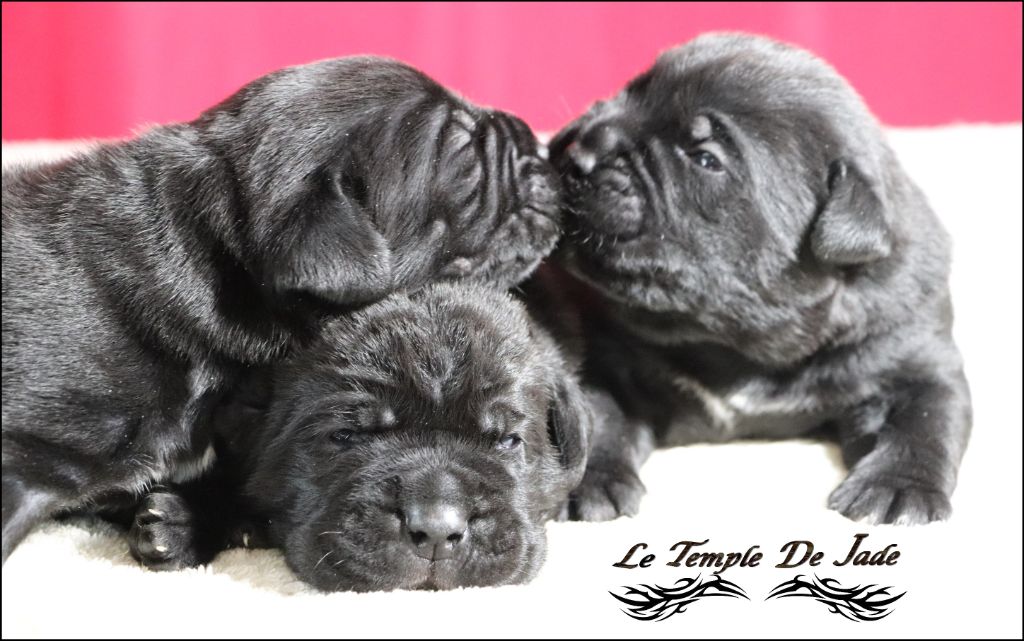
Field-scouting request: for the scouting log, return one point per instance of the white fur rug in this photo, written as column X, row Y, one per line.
column 961, row 578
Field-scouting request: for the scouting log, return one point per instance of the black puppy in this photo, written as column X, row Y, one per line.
column 420, row 442
column 758, row 264
column 139, row 276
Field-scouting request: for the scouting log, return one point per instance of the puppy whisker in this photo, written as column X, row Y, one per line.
column 565, row 105
column 329, row 552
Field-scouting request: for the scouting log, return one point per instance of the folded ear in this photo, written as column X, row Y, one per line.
column 570, row 424
column 851, row 228
column 335, row 254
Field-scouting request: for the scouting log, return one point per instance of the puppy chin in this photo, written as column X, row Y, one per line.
column 622, row 280
column 507, row 275
column 332, row 566
column 334, row 569
column 518, row 249
column 517, row 565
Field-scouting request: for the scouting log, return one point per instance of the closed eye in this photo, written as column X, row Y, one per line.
column 343, row 437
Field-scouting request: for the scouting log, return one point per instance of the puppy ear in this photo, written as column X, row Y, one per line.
column 570, row 424
column 336, row 255
column 851, row 228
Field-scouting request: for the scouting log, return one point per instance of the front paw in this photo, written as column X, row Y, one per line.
column 606, row 492
column 163, row 535
column 880, row 497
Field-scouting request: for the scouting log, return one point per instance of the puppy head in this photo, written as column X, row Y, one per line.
column 726, row 193
column 423, row 443
column 359, row 176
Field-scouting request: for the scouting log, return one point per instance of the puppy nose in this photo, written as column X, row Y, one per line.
column 584, row 159
column 600, row 140
column 435, row 530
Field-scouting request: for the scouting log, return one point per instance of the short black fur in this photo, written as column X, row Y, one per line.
column 450, row 401
column 139, row 277
column 749, row 259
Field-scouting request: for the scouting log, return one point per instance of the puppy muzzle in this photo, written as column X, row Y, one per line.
column 433, row 518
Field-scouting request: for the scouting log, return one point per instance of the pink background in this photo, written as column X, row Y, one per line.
column 77, row 70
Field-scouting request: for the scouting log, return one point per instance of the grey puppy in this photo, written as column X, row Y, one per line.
column 421, row 442
column 139, row 277
column 758, row 264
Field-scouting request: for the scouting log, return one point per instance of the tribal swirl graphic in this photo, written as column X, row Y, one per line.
column 655, row 603
column 859, row 603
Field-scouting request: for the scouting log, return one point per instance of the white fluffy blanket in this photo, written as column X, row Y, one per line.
column 961, row 578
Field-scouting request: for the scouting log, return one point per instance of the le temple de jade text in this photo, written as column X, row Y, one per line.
column 797, row 553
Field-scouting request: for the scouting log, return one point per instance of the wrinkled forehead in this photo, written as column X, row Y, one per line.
column 403, row 95
column 370, row 79
column 352, row 91
column 768, row 102
column 459, row 363
column 734, row 85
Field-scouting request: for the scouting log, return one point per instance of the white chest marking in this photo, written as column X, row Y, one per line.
column 751, row 403
column 188, row 470
column 721, row 413
column 749, row 400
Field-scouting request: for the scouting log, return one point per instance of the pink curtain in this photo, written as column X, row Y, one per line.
column 76, row 70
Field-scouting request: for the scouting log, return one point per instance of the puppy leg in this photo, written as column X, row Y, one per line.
column 187, row 525
column 24, row 507
column 611, row 485
column 904, row 454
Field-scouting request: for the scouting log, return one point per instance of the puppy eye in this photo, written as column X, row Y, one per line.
column 509, row 441
column 343, row 437
column 706, row 160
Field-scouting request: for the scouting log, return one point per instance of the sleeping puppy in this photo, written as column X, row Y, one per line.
column 422, row 441
column 752, row 261
column 139, row 276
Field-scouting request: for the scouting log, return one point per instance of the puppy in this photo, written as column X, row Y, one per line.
column 752, row 261
column 420, row 442
column 138, row 277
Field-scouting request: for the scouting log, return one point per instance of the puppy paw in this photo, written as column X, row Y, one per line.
column 163, row 534
column 889, row 498
column 606, row 492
